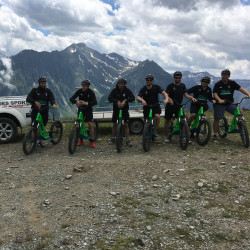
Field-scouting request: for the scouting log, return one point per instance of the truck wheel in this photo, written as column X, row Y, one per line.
column 8, row 130
column 136, row 126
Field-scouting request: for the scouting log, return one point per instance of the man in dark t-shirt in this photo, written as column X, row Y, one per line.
column 148, row 95
column 202, row 93
column 175, row 91
column 223, row 93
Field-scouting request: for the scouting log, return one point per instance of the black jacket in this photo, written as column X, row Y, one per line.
column 43, row 95
column 118, row 95
column 86, row 96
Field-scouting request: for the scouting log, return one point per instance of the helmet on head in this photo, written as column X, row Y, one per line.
column 85, row 82
column 177, row 73
column 122, row 80
column 42, row 79
column 149, row 77
column 226, row 72
column 205, row 79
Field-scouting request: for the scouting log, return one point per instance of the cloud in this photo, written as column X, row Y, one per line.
column 6, row 73
column 185, row 35
column 63, row 17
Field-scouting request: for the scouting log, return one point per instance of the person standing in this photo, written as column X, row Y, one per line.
column 148, row 95
column 223, row 93
column 120, row 96
column 40, row 98
column 175, row 91
column 87, row 100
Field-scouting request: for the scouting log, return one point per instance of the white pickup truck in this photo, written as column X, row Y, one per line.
column 14, row 113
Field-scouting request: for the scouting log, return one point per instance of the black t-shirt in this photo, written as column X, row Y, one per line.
column 200, row 94
column 150, row 95
column 176, row 92
column 226, row 90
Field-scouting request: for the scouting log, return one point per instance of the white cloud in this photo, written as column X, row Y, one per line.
column 196, row 36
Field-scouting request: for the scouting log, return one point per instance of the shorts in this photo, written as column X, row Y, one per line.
column 125, row 115
column 171, row 110
column 194, row 108
column 219, row 110
column 87, row 114
column 156, row 110
column 45, row 116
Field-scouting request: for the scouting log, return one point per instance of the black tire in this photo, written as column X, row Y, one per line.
column 73, row 139
column 29, row 141
column 223, row 127
column 136, row 126
column 119, row 137
column 8, row 130
column 170, row 129
column 147, row 136
column 95, row 125
column 203, row 132
column 56, row 131
column 243, row 133
column 184, row 134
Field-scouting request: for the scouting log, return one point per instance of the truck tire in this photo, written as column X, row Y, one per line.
column 136, row 126
column 8, row 130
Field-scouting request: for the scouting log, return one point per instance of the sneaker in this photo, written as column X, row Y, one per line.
column 214, row 137
column 128, row 143
column 154, row 134
column 39, row 144
column 166, row 140
column 92, row 144
column 111, row 141
column 80, row 142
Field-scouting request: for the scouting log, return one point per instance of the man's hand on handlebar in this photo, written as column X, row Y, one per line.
column 38, row 104
column 166, row 100
column 55, row 106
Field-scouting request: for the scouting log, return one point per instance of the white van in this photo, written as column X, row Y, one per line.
column 14, row 113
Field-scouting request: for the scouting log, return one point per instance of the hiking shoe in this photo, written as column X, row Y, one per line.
column 111, row 141
column 92, row 144
column 166, row 140
column 154, row 134
column 128, row 143
column 214, row 137
column 80, row 142
column 39, row 144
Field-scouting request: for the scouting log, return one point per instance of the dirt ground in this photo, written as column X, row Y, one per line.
column 97, row 198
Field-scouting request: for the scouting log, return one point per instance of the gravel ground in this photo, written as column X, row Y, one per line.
column 100, row 199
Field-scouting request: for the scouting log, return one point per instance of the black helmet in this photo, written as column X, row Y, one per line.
column 205, row 79
column 42, row 79
column 122, row 80
column 85, row 82
column 150, row 77
column 226, row 72
column 177, row 73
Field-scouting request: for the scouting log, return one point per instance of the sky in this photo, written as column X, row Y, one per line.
column 185, row 35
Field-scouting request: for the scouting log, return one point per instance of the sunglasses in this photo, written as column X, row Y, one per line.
column 149, row 80
column 177, row 77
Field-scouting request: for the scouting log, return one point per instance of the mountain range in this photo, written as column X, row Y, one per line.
column 66, row 69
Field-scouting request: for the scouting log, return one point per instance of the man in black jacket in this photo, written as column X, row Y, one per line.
column 87, row 100
column 40, row 98
column 120, row 97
